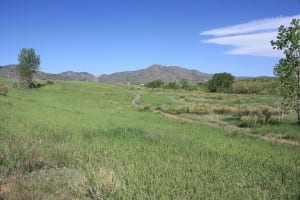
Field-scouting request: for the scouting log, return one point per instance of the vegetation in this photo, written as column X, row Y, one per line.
column 288, row 68
column 220, row 82
column 173, row 85
column 28, row 65
column 251, row 113
column 255, row 86
column 3, row 90
column 155, row 84
column 87, row 141
column 183, row 84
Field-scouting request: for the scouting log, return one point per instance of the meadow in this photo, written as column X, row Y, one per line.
column 78, row 140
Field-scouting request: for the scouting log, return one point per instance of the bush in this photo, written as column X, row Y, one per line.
column 155, row 84
column 144, row 107
column 222, row 110
column 15, row 85
column 260, row 115
column 50, row 82
column 200, row 109
column 3, row 90
column 173, row 85
column 101, row 184
column 195, row 109
column 254, row 87
column 264, row 113
column 220, row 82
column 242, row 111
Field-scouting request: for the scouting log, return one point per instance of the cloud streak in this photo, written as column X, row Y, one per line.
column 251, row 38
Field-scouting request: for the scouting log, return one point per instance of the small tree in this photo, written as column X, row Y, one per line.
column 28, row 65
column 288, row 68
column 173, row 85
column 3, row 90
column 220, row 82
column 155, row 84
column 184, row 83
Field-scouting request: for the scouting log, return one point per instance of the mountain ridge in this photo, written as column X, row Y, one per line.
column 142, row 76
column 153, row 72
column 10, row 72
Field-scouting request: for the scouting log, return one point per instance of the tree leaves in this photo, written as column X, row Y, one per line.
column 28, row 64
column 288, row 68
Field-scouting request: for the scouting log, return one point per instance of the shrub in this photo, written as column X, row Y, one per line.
column 241, row 111
column 220, row 82
column 245, row 121
column 254, row 87
column 260, row 115
column 155, row 84
column 15, row 85
column 222, row 110
column 3, row 90
column 196, row 109
column 264, row 113
column 144, row 107
column 101, row 184
column 188, row 108
column 50, row 82
column 201, row 110
column 173, row 85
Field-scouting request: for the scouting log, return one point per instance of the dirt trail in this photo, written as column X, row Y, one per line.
column 283, row 141
column 280, row 140
column 175, row 116
column 135, row 100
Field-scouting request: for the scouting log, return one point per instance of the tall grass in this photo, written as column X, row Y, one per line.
column 86, row 141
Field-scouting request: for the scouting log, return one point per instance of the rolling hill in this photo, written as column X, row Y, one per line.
column 165, row 73
column 10, row 72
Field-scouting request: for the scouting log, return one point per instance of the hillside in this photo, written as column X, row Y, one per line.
column 167, row 74
column 10, row 72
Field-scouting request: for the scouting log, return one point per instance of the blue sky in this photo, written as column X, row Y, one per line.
column 107, row 36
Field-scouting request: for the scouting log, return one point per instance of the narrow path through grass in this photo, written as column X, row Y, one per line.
column 269, row 138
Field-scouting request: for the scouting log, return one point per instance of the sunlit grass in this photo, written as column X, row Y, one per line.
column 117, row 152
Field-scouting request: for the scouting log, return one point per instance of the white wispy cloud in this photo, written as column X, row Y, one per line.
column 251, row 38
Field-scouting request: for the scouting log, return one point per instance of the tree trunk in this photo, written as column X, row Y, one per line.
column 298, row 105
column 298, row 91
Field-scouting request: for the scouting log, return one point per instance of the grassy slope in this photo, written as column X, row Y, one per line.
column 94, row 128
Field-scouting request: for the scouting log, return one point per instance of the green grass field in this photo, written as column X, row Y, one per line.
column 76, row 140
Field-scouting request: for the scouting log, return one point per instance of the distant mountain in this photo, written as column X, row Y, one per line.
column 9, row 71
column 165, row 73
column 69, row 75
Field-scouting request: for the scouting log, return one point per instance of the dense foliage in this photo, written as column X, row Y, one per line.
column 28, row 65
column 174, row 85
column 220, row 82
column 288, row 68
column 255, row 86
column 155, row 84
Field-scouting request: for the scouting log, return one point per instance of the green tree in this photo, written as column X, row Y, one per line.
column 29, row 63
column 288, row 68
column 220, row 82
column 184, row 83
column 155, row 84
column 173, row 85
